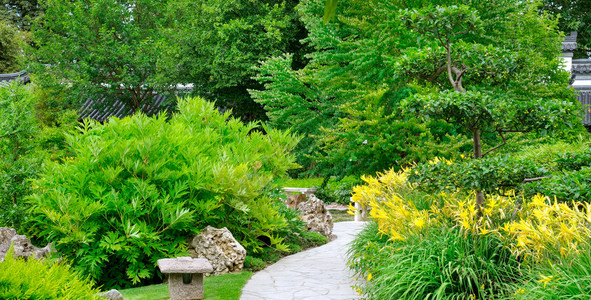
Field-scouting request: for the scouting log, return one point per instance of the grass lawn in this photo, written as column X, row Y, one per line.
column 340, row 216
column 222, row 287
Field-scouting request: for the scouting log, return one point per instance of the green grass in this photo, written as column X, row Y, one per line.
column 301, row 183
column 340, row 216
column 222, row 287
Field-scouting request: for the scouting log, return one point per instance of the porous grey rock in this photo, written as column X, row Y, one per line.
column 112, row 295
column 21, row 244
column 6, row 235
column 317, row 217
column 218, row 246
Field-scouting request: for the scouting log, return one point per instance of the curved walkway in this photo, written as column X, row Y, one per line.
column 314, row 274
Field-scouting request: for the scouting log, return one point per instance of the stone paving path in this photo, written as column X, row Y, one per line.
column 315, row 274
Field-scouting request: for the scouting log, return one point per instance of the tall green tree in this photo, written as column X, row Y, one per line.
column 219, row 42
column 92, row 48
column 573, row 15
column 492, row 68
column 11, row 41
column 346, row 101
column 20, row 12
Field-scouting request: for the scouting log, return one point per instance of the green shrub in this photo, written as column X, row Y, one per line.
column 339, row 191
column 38, row 279
column 294, row 236
column 18, row 160
column 488, row 174
column 564, row 186
column 137, row 188
column 444, row 264
column 253, row 263
column 24, row 143
column 11, row 42
column 313, row 239
column 574, row 161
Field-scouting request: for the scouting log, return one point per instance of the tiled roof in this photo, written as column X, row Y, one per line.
column 102, row 109
column 569, row 44
column 581, row 66
column 5, row 79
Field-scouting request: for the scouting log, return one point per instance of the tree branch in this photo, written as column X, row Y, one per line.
column 536, row 179
column 497, row 146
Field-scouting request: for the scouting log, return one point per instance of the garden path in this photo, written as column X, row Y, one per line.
column 318, row 273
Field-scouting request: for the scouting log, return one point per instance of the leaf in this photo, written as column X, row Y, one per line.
column 330, row 9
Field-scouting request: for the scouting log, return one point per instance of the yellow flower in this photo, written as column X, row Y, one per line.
column 466, row 224
column 369, row 277
column 519, row 291
column 545, row 279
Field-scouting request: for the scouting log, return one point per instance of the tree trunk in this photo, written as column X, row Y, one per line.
column 478, row 155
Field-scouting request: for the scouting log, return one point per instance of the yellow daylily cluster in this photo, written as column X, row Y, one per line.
column 532, row 228
column 395, row 217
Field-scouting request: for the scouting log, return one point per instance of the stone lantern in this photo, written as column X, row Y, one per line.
column 185, row 276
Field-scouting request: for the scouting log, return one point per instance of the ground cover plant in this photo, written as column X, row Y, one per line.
column 135, row 189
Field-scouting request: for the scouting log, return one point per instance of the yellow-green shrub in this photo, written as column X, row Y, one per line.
column 37, row 279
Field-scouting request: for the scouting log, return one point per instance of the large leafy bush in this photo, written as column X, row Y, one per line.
column 135, row 189
column 37, row 279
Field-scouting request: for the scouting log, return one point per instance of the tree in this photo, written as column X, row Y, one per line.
column 219, row 42
column 103, row 49
column 346, row 100
column 491, row 68
column 573, row 15
column 10, row 47
column 20, row 12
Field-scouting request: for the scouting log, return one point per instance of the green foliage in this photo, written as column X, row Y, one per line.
column 102, row 49
column 11, row 41
column 18, row 160
column 338, row 191
column 490, row 68
column 217, row 43
column 24, row 144
column 254, row 263
column 490, row 174
column 443, row 264
column 564, row 186
column 137, row 188
column 570, row 280
column 20, row 12
column 572, row 16
column 40, row 279
column 574, row 161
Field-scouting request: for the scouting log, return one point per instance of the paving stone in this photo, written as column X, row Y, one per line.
column 318, row 273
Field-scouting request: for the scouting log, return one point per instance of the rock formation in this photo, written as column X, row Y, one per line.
column 218, row 246
column 21, row 244
column 317, row 217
